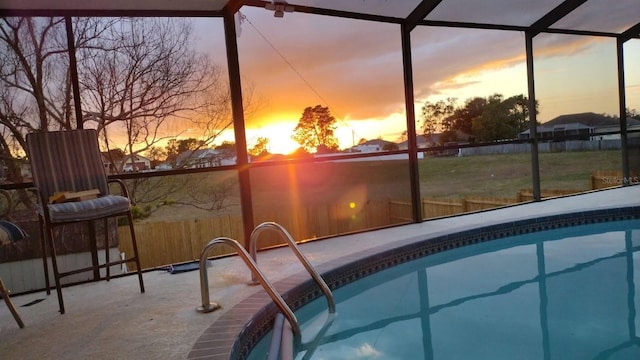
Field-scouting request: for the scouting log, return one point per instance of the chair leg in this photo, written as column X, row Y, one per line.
column 135, row 251
column 93, row 246
column 56, row 273
column 43, row 248
column 5, row 295
column 106, row 247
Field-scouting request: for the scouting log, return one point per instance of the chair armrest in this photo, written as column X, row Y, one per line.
column 123, row 188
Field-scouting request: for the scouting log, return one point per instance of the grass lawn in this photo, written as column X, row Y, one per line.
column 330, row 183
column 313, row 184
column 503, row 175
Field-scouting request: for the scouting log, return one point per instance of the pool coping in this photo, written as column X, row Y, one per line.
column 237, row 331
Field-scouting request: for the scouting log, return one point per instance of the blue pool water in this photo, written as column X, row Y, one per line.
column 570, row 293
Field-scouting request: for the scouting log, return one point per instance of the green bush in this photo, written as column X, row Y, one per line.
column 140, row 212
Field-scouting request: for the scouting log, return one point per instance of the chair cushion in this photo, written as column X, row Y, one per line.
column 88, row 209
column 10, row 232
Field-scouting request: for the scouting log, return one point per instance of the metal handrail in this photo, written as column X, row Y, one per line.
column 296, row 250
column 208, row 306
column 312, row 345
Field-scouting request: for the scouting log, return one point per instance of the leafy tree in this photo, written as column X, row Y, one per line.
column 519, row 108
column 175, row 147
column 189, row 144
column 501, row 118
column 486, row 119
column 157, row 155
column 172, row 151
column 227, row 146
column 494, row 122
column 448, row 136
column 260, row 148
column 115, row 155
column 462, row 119
column 403, row 136
column 435, row 115
column 633, row 114
column 315, row 130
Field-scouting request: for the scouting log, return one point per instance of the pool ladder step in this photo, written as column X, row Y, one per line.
column 257, row 276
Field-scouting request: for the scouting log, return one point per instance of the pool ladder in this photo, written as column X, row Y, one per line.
column 257, row 276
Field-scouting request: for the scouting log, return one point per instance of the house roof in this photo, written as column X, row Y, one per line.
column 589, row 119
column 136, row 157
column 546, row 127
column 618, row 18
column 421, row 141
column 376, row 142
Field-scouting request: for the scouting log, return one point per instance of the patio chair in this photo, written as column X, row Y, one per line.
column 72, row 187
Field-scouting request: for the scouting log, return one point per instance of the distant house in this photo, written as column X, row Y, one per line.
column 431, row 140
column 164, row 166
column 571, row 131
column 423, row 142
column 582, row 126
column 205, row 158
column 605, row 132
column 374, row 145
column 136, row 163
column 129, row 163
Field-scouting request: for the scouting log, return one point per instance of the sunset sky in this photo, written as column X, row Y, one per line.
column 355, row 68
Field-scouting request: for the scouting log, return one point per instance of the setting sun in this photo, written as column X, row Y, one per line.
column 279, row 135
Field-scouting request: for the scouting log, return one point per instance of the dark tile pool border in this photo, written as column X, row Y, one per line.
column 237, row 331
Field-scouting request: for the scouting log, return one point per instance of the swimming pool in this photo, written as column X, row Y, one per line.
column 569, row 292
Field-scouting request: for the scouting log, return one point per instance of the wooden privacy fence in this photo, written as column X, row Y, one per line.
column 436, row 207
column 320, row 221
column 162, row 243
column 527, row 194
column 400, row 211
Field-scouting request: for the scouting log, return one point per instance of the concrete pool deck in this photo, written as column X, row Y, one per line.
column 107, row 320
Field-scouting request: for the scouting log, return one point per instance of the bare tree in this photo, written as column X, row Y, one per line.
column 143, row 77
column 140, row 79
column 34, row 92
